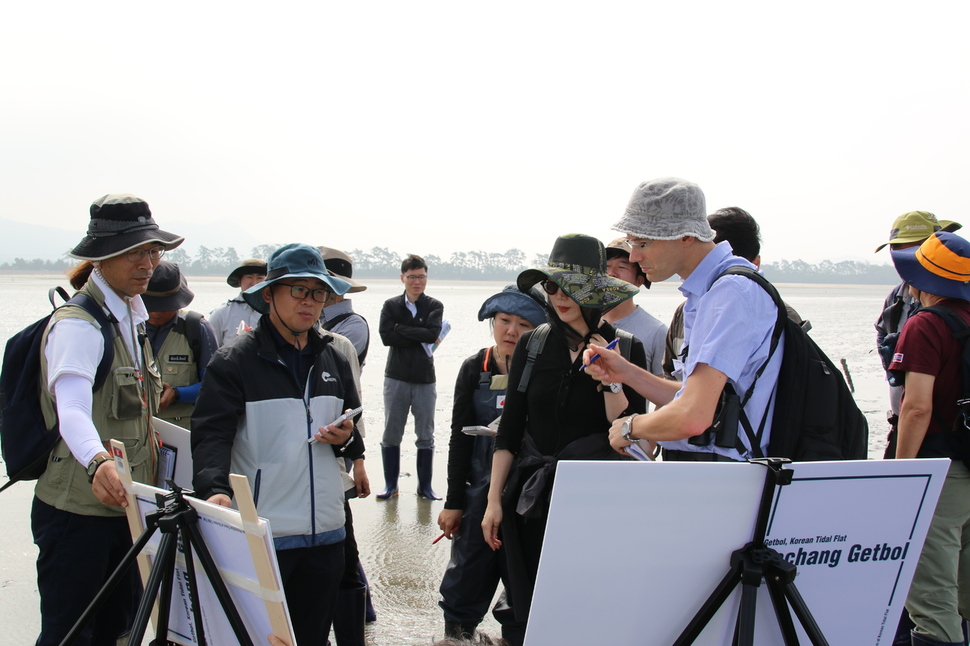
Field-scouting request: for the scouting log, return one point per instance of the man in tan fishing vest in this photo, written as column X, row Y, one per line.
column 77, row 518
column 182, row 342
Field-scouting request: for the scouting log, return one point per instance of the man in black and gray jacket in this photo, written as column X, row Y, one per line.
column 409, row 325
column 265, row 410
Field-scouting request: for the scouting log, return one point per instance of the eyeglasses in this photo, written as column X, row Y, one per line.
column 638, row 245
column 299, row 292
column 416, row 277
column 137, row 255
column 550, row 287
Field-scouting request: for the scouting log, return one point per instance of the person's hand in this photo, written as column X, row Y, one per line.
column 610, row 367
column 220, row 499
column 337, row 435
column 361, row 481
column 167, row 397
column 107, row 486
column 616, row 437
column 490, row 524
column 448, row 522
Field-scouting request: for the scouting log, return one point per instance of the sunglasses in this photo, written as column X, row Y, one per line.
column 550, row 287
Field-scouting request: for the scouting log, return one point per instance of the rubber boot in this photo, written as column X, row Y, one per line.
column 425, row 467
column 457, row 630
column 392, row 468
column 923, row 640
column 348, row 620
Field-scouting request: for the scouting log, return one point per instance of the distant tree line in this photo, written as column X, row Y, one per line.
column 381, row 262
column 848, row 271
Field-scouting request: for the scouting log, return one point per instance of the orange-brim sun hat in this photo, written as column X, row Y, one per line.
column 939, row 266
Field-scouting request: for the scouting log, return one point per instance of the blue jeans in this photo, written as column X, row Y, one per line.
column 401, row 397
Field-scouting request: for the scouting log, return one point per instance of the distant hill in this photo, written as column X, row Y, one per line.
column 32, row 241
column 29, row 241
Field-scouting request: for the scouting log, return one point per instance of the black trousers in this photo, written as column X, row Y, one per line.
column 311, row 577
column 77, row 555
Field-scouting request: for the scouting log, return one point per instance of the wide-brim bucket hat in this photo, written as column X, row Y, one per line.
column 248, row 266
column 513, row 301
column 294, row 260
column 667, row 208
column 167, row 290
column 917, row 226
column 939, row 266
column 120, row 222
column 577, row 265
column 341, row 265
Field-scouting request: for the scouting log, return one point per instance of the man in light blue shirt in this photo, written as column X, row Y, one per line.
column 728, row 323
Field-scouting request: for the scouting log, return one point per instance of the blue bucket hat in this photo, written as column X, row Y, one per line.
column 294, row 260
column 511, row 301
column 939, row 266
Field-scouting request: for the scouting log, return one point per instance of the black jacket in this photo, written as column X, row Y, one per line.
column 253, row 414
column 404, row 334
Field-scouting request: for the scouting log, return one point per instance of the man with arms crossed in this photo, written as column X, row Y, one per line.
column 728, row 324
column 408, row 323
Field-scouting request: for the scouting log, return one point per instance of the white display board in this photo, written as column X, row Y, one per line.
column 240, row 543
column 632, row 550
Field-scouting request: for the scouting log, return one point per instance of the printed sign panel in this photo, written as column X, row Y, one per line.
column 632, row 550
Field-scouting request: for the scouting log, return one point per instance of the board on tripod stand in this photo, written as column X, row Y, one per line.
column 241, row 545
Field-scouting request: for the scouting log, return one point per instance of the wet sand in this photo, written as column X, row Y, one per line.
column 395, row 537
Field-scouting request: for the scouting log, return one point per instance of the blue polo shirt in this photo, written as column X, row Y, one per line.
column 728, row 326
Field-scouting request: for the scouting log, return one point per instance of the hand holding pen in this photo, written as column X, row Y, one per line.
column 609, row 346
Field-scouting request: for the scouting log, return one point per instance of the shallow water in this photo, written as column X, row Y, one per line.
column 395, row 536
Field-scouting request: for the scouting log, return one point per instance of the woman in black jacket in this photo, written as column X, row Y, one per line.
column 554, row 410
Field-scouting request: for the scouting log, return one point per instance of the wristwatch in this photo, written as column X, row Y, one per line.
column 94, row 464
column 616, row 388
column 627, row 427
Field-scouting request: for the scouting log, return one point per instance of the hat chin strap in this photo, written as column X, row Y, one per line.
column 296, row 335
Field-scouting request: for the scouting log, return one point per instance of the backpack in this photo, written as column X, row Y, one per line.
column 958, row 431
column 538, row 341
column 815, row 417
column 25, row 440
column 193, row 333
column 330, row 324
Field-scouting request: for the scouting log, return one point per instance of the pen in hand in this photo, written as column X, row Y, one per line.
column 609, row 346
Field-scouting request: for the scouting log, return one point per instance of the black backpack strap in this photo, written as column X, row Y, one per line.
column 60, row 291
column 626, row 343
column 109, row 331
column 330, row 324
column 193, row 333
column 961, row 332
column 754, row 438
column 534, row 347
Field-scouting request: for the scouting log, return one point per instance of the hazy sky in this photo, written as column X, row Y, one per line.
column 431, row 127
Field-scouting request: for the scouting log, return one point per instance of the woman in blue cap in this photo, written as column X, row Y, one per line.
column 475, row 569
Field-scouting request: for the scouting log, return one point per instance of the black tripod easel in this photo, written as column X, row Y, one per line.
column 176, row 519
column 749, row 566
